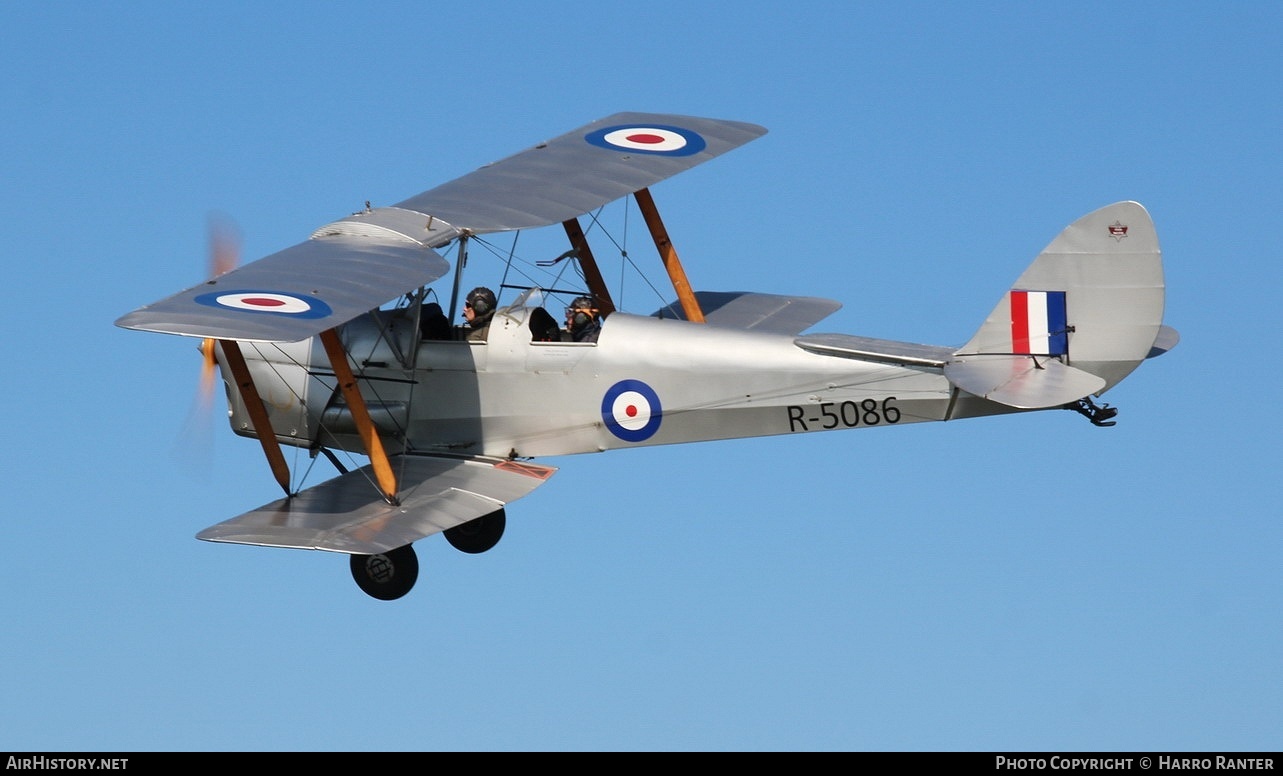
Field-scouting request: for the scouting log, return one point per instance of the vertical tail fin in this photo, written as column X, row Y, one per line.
column 1083, row 315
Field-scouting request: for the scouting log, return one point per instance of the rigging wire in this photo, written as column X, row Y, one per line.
column 538, row 272
column 326, row 439
column 322, row 429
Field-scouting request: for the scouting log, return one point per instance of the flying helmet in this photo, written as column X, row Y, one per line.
column 580, row 312
column 482, row 300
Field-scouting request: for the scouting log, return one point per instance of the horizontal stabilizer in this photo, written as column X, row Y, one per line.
column 1025, row 382
column 872, row 349
column 1166, row 340
column 756, row 312
column 295, row 293
column 347, row 514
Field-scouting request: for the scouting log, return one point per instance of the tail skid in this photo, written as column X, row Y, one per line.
column 1084, row 314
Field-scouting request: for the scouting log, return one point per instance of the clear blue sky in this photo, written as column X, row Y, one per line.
column 1011, row 584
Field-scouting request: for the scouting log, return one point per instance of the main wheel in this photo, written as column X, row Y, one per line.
column 388, row 576
column 479, row 534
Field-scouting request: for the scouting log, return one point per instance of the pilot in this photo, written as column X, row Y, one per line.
column 583, row 319
column 478, row 309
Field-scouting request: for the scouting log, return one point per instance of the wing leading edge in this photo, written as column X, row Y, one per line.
column 346, row 514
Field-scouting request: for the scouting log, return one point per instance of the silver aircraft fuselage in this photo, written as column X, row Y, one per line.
column 647, row 381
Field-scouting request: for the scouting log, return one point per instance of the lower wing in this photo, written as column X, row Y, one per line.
column 347, row 514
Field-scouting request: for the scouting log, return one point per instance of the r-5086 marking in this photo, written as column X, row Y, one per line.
column 846, row 414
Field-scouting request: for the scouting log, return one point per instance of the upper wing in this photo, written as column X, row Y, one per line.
column 296, row 293
column 580, row 171
column 347, row 514
column 360, row 262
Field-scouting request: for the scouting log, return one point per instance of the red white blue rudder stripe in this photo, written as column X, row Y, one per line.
column 1039, row 323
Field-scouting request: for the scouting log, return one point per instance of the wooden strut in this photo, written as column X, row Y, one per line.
column 667, row 254
column 596, row 285
column 364, row 426
column 257, row 413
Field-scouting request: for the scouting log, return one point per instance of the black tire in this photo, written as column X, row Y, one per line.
column 388, row 576
column 479, row 534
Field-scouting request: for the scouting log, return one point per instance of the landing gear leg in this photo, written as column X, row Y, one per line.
column 1097, row 414
column 388, row 576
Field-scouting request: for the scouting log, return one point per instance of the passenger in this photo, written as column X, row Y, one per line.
column 478, row 309
column 583, row 320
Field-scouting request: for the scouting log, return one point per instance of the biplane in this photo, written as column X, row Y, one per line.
column 326, row 347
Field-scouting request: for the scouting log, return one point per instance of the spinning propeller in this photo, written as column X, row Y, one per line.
column 224, row 255
column 194, row 445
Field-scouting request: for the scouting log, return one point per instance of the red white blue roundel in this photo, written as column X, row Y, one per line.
column 648, row 139
column 297, row 305
column 631, row 410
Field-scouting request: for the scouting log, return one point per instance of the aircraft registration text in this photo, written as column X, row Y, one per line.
column 846, row 414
